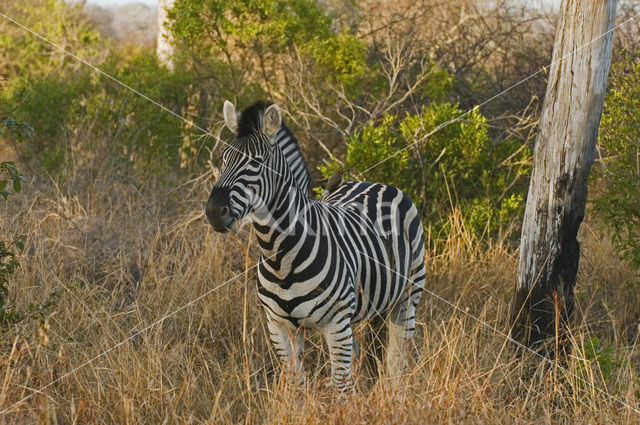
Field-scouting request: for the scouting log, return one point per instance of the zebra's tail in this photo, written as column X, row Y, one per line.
column 417, row 270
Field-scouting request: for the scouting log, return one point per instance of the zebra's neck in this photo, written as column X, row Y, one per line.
column 284, row 221
column 290, row 148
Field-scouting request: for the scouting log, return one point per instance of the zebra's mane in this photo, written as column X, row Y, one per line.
column 251, row 120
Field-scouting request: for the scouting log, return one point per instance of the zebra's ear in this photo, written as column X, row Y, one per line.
column 272, row 120
column 230, row 116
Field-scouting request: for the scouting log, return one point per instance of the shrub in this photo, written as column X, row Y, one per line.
column 619, row 139
column 244, row 49
column 9, row 250
column 457, row 167
column 83, row 118
column 26, row 57
column 87, row 119
column 595, row 358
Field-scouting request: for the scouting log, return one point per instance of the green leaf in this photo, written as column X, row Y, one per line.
column 19, row 244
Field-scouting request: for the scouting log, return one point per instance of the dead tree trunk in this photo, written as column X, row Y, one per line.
column 564, row 152
column 164, row 46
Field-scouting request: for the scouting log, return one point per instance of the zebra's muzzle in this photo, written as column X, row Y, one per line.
column 218, row 212
column 219, row 217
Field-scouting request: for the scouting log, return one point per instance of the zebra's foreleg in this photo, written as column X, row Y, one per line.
column 289, row 345
column 339, row 337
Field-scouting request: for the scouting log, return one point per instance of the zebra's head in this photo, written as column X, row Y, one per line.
column 249, row 165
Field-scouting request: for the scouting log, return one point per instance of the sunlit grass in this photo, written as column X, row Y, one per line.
column 124, row 259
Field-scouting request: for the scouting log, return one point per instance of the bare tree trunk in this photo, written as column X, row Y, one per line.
column 164, row 46
column 564, row 152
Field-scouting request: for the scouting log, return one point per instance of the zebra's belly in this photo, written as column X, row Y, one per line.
column 310, row 304
column 313, row 304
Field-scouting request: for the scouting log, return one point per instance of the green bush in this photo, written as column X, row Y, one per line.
column 9, row 250
column 26, row 57
column 244, row 48
column 619, row 204
column 595, row 357
column 149, row 138
column 267, row 25
column 339, row 59
column 457, row 167
column 86, row 118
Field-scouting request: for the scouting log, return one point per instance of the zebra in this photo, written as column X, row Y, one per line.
column 324, row 265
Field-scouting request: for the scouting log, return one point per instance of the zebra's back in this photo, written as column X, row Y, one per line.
column 396, row 222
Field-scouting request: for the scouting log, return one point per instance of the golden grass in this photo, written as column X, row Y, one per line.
column 134, row 258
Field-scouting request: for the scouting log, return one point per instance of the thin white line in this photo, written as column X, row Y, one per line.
column 95, row 68
column 508, row 338
column 544, row 68
column 74, row 370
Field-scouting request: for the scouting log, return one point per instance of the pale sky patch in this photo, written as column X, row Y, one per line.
column 109, row 3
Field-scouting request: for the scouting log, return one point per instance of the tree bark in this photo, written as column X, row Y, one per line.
column 164, row 41
column 563, row 154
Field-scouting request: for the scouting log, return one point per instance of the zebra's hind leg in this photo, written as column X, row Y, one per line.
column 289, row 345
column 402, row 323
column 339, row 337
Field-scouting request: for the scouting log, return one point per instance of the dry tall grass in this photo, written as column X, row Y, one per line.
column 133, row 258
